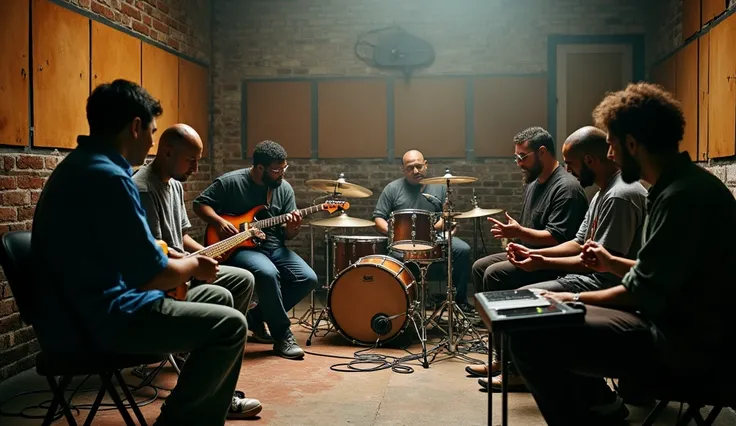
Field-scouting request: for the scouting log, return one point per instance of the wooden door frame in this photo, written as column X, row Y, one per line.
column 636, row 41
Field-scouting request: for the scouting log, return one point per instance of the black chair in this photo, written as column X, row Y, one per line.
column 708, row 391
column 15, row 258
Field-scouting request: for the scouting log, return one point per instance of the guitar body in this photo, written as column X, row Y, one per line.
column 211, row 237
column 179, row 292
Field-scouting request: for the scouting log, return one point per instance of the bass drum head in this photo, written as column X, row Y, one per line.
column 365, row 292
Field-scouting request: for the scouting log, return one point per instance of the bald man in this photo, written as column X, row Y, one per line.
column 406, row 193
column 162, row 197
column 615, row 220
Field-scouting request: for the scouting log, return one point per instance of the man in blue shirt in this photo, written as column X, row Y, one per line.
column 102, row 277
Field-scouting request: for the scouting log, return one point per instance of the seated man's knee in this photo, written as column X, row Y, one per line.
column 311, row 278
column 235, row 324
column 218, row 295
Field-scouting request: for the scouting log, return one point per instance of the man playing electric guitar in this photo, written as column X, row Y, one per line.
column 283, row 278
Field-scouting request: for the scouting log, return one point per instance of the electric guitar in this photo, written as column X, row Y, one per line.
column 214, row 251
column 245, row 221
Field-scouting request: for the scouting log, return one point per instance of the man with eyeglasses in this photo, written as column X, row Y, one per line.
column 408, row 193
column 553, row 208
column 282, row 277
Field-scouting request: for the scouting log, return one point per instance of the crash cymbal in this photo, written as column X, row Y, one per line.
column 443, row 180
column 343, row 221
column 478, row 212
column 341, row 186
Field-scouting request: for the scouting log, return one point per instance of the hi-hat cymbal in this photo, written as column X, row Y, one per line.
column 343, row 221
column 443, row 180
column 340, row 185
column 478, row 212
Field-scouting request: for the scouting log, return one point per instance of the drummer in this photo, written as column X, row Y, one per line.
column 409, row 193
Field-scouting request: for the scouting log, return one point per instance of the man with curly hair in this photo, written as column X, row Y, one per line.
column 282, row 277
column 672, row 312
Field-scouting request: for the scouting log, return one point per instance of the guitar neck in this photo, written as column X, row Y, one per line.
column 224, row 246
column 278, row 220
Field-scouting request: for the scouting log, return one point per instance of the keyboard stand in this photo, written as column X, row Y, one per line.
column 503, row 325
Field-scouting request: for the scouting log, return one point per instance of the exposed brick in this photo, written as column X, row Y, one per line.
column 8, row 163
column 26, row 213
column 29, row 162
column 8, row 307
column 50, row 163
column 8, row 214
column 137, row 26
column 16, row 198
column 102, row 9
column 7, row 182
column 10, row 323
column 35, row 196
column 129, row 10
column 30, row 182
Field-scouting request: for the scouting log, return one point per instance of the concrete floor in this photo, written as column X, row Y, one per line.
column 308, row 392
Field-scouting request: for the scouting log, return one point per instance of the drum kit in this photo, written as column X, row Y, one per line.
column 373, row 297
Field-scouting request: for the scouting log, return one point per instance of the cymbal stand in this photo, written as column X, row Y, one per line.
column 421, row 314
column 312, row 311
column 477, row 228
column 452, row 307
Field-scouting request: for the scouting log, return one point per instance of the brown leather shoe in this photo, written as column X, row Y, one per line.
column 481, row 370
column 514, row 383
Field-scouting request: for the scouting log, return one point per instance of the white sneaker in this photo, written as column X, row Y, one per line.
column 243, row 408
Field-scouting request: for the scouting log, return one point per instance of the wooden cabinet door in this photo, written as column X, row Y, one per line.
column 722, row 90
column 61, row 75
column 161, row 79
column 194, row 99
column 14, row 72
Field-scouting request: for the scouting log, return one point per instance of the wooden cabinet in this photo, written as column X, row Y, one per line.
column 115, row 54
column 194, row 99
column 686, row 77
column 61, row 75
column 703, row 95
column 14, row 72
column 161, row 79
column 711, row 9
column 691, row 21
column 722, row 90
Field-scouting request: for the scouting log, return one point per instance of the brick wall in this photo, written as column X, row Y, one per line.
column 281, row 38
column 184, row 25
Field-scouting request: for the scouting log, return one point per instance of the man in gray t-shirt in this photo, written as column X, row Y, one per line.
column 162, row 198
column 409, row 193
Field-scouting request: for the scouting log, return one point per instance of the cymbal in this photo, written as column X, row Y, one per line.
column 478, row 212
column 343, row 221
column 346, row 189
column 443, row 180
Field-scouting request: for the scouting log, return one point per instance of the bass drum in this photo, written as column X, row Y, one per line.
column 369, row 302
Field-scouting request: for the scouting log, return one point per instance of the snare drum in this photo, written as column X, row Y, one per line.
column 411, row 229
column 436, row 254
column 347, row 249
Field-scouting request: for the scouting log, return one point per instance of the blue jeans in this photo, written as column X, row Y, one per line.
column 437, row 270
column 282, row 280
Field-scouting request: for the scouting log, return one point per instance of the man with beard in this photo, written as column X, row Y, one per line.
column 553, row 207
column 407, row 193
column 672, row 315
column 162, row 198
column 282, row 276
column 614, row 220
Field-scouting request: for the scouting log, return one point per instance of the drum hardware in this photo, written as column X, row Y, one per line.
column 476, row 213
column 339, row 187
column 451, row 342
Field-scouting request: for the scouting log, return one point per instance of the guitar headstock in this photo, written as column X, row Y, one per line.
column 334, row 205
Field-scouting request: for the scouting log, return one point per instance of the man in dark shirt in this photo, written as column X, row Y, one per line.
column 282, row 277
column 102, row 278
column 407, row 193
column 553, row 207
column 672, row 313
